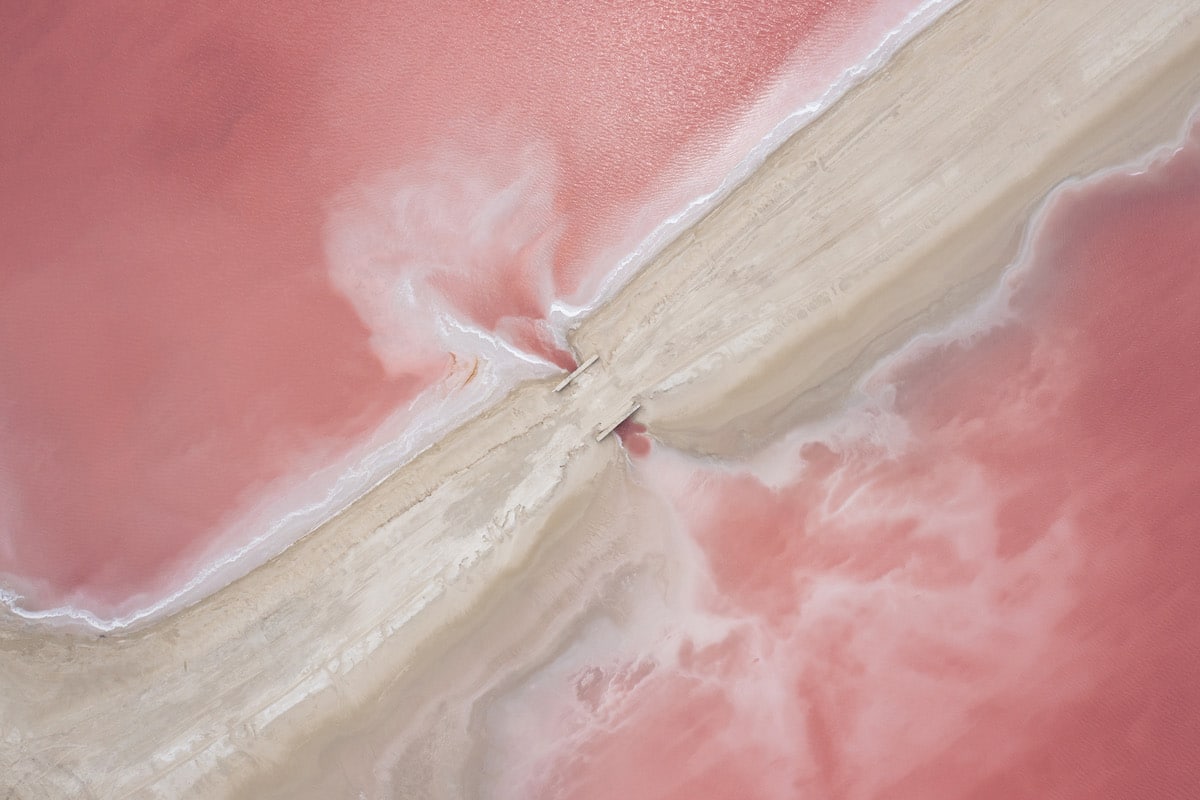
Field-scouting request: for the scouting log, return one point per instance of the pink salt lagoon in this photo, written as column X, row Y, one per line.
column 254, row 255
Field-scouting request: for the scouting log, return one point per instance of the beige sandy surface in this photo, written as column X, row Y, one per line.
column 371, row 646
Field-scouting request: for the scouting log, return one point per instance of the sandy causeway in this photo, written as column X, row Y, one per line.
column 386, row 629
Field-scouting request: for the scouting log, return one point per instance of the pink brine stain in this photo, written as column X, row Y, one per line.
column 634, row 438
column 986, row 587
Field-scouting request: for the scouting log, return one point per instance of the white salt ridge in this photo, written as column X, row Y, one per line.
column 565, row 315
column 370, row 230
column 291, row 511
column 867, row 415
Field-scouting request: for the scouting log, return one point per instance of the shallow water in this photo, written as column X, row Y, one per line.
column 247, row 245
column 977, row 581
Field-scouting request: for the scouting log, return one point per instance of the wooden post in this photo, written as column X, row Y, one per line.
column 604, row 433
column 567, row 380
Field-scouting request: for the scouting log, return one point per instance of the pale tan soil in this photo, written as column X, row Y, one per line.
column 370, row 648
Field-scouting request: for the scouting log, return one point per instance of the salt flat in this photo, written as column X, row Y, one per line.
column 384, row 627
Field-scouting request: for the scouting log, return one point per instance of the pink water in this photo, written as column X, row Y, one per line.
column 981, row 581
column 232, row 233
